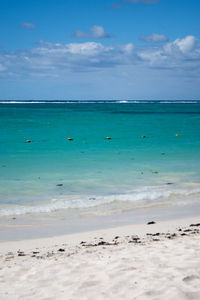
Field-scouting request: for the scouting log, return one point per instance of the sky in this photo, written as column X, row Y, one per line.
column 100, row 49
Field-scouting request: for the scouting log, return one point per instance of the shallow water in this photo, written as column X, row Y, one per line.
column 95, row 175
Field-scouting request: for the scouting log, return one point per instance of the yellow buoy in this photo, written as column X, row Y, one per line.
column 143, row 136
column 28, row 141
column 108, row 138
column 70, row 139
column 177, row 134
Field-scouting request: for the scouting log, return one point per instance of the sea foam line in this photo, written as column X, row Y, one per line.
column 141, row 197
column 98, row 101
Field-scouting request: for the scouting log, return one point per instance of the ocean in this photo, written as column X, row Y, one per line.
column 152, row 158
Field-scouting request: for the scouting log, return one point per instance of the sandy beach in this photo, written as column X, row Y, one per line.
column 144, row 261
column 100, row 150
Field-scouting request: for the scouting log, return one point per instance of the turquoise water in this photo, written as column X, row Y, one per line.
column 91, row 173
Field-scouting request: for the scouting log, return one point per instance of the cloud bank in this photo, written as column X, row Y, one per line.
column 56, row 59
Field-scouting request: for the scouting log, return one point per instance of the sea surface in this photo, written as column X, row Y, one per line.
column 151, row 160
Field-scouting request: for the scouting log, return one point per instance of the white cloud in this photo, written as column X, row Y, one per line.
column 153, row 57
column 128, row 48
column 96, row 31
column 82, row 49
column 185, row 45
column 27, row 25
column 181, row 54
column 154, row 38
column 56, row 59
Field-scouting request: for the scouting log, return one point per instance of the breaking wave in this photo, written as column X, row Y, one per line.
column 170, row 194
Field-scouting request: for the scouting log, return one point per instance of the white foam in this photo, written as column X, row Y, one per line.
column 139, row 197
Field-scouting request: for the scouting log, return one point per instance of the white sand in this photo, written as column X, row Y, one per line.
column 156, row 268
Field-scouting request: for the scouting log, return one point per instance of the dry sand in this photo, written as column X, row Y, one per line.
column 158, row 261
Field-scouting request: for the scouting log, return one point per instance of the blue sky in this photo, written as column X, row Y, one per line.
column 124, row 49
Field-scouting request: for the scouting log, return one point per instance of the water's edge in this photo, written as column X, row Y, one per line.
column 26, row 228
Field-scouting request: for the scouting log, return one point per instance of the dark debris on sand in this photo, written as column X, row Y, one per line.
column 135, row 240
column 151, row 223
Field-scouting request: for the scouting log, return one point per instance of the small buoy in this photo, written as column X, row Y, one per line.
column 28, row 141
column 108, row 138
column 143, row 136
column 177, row 134
column 70, row 139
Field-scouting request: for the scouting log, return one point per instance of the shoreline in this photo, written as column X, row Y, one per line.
column 167, row 224
column 73, row 239
column 49, row 226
